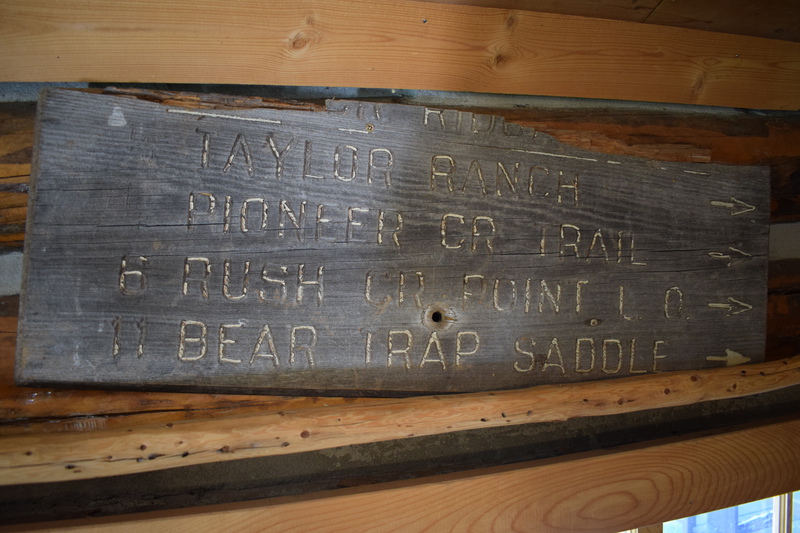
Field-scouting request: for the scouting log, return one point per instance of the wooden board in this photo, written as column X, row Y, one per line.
column 731, row 137
column 395, row 44
column 606, row 491
column 373, row 248
column 95, row 447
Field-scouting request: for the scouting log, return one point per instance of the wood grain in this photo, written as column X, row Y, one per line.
column 741, row 138
column 737, row 137
column 32, row 458
column 600, row 492
column 393, row 44
column 777, row 19
column 774, row 20
column 16, row 142
column 48, row 410
column 667, row 306
column 630, row 10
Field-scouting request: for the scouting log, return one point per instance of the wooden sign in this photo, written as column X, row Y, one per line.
column 373, row 248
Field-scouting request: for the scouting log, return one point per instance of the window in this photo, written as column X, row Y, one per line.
column 780, row 514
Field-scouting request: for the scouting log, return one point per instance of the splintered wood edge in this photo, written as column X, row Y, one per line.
column 605, row 491
column 99, row 453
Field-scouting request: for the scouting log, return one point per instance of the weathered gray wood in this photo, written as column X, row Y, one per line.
column 373, row 248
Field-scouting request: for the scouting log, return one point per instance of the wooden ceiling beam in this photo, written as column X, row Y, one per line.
column 399, row 44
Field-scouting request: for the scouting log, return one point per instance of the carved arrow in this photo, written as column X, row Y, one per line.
column 730, row 358
column 734, row 306
column 734, row 256
column 737, row 207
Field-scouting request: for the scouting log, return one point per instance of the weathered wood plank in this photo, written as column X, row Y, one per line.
column 71, row 410
column 100, row 451
column 39, row 410
column 600, row 492
column 755, row 141
column 470, row 254
column 394, row 44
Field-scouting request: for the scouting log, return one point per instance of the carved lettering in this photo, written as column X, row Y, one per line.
column 210, row 205
column 398, row 226
column 190, row 276
column 468, row 292
column 483, row 229
column 338, row 155
column 433, row 341
column 296, row 345
column 578, row 351
column 368, row 290
column 546, row 294
column 280, row 155
column 376, row 167
column 279, row 292
column 201, row 339
column 443, row 230
column 297, row 221
column 673, row 303
column 417, row 298
column 243, row 225
column 265, row 335
column 503, row 177
column 609, row 368
column 461, row 351
column 570, row 185
column 528, row 366
column 240, row 145
column 393, row 349
column 437, row 162
column 511, row 303
column 554, row 358
column 126, row 275
column 352, row 223
column 226, row 281
column 303, row 284
column 224, row 341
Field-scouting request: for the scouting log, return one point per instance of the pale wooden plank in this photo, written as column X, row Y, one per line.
column 392, row 44
column 105, row 452
column 599, row 492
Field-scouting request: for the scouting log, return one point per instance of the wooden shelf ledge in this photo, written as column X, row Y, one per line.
column 596, row 492
column 36, row 458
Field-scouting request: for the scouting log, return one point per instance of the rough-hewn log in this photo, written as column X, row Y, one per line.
column 597, row 492
column 104, row 452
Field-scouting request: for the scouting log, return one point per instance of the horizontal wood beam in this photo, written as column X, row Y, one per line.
column 600, row 492
column 636, row 11
column 399, row 44
column 36, row 458
column 776, row 19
